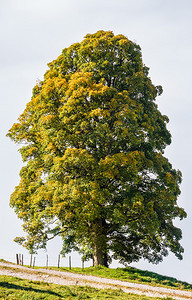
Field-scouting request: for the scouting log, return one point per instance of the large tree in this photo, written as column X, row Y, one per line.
column 92, row 139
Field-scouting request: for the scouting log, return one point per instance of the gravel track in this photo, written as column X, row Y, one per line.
column 68, row 278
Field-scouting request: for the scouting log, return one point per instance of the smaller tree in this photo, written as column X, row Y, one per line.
column 93, row 141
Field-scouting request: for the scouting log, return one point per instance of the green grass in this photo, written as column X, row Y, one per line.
column 5, row 261
column 15, row 288
column 133, row 274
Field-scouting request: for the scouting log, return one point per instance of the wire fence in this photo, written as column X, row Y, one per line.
column 47, row 260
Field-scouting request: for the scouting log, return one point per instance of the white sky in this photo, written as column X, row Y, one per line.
column 34, row 33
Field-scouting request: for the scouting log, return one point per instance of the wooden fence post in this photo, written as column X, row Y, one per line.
column 58, row 260
column 69, row 262
column 22, row 259
column 31, row 260
column 47, row 261
column 17, row 259
column 34, row 262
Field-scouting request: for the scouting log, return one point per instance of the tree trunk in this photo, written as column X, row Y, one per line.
column 99, row 256
column 99, row 244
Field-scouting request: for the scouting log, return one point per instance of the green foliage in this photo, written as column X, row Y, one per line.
column 16, row 288
column 92, row 139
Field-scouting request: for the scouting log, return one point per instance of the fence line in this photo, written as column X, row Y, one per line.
column 46, row 261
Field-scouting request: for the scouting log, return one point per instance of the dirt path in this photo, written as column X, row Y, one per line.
column 67, row 278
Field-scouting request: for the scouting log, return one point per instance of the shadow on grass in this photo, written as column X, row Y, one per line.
column 8, row 285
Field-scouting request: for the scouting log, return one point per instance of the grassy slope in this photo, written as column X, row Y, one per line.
column 16, row 288
column 133, row 274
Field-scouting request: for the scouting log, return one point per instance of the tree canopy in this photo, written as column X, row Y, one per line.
column 92, row 142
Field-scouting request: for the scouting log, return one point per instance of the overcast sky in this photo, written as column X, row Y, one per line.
column 34, row 33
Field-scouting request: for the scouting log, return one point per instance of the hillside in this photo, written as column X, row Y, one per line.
column 40, row 283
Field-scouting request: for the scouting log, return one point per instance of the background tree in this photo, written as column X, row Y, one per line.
column 92, row 139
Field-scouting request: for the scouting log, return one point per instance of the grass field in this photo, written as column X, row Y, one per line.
column 133, row 274
column 15, row 288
